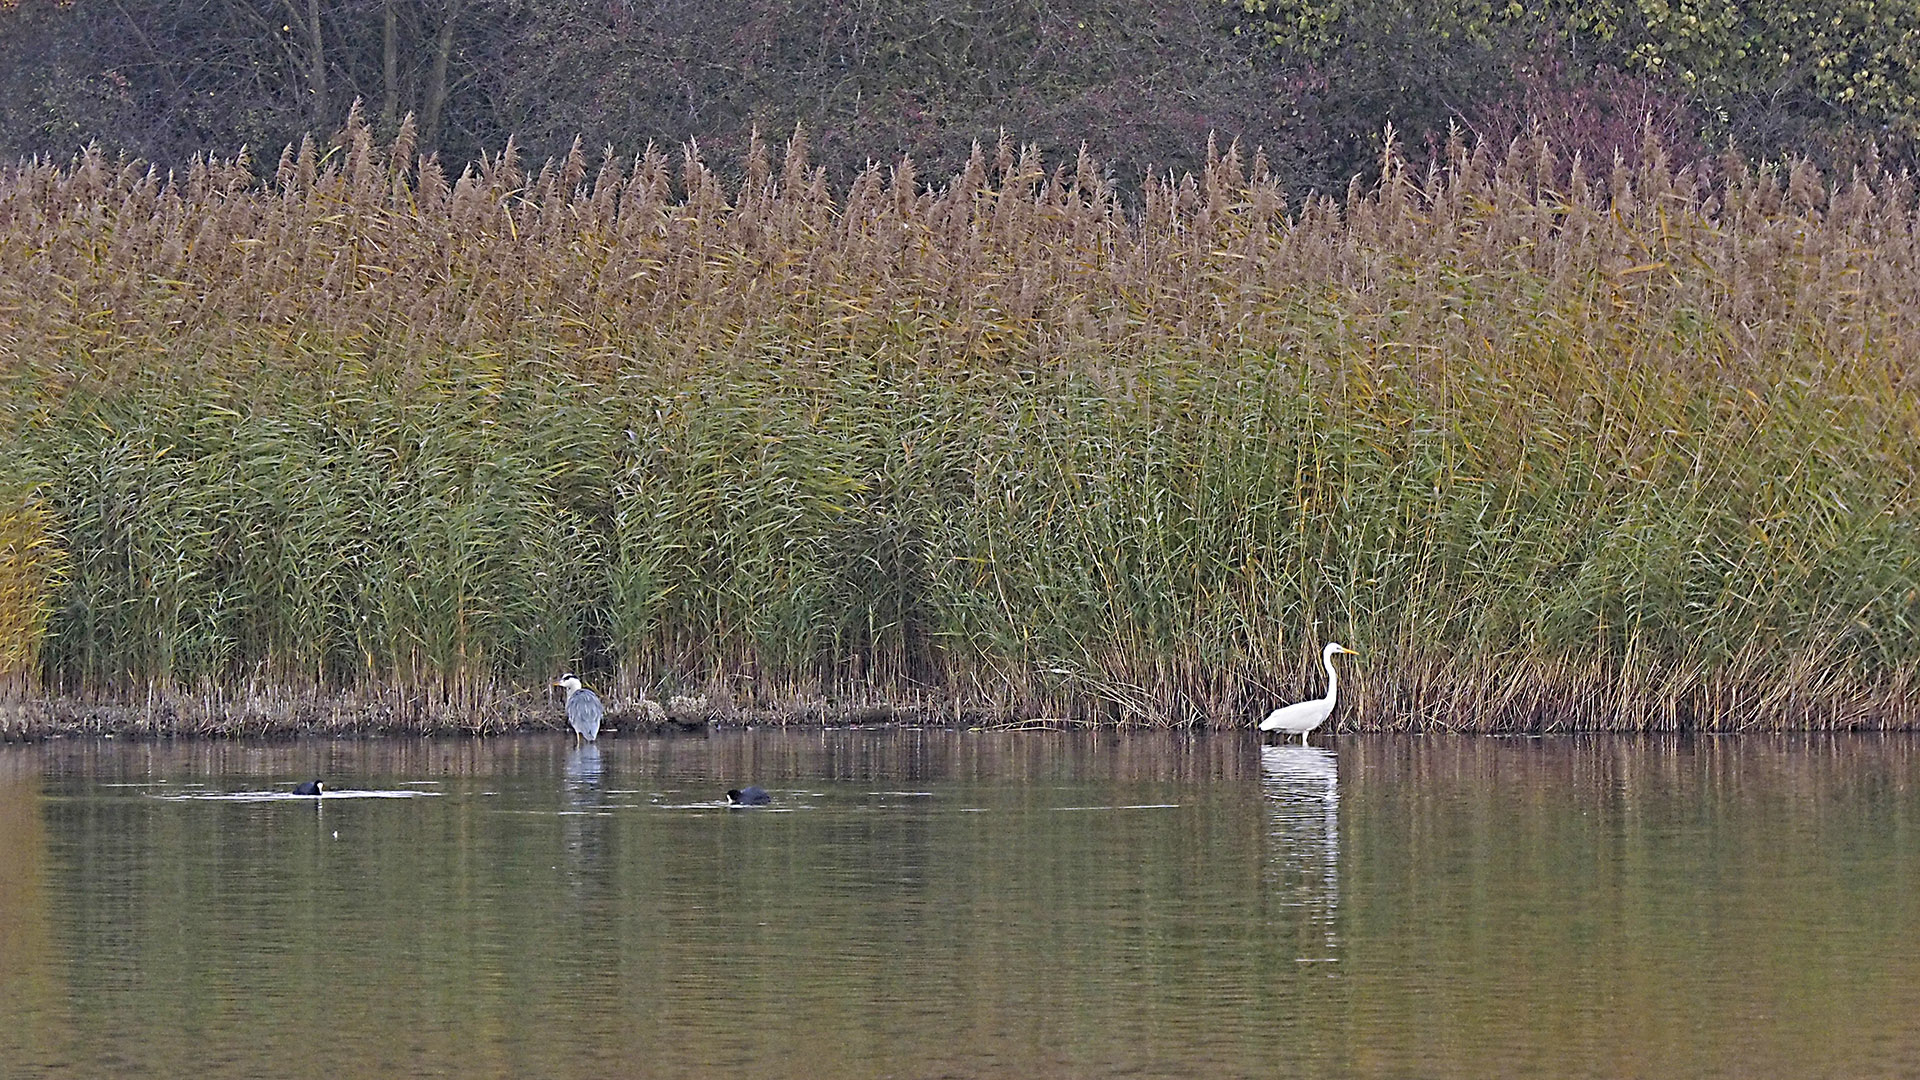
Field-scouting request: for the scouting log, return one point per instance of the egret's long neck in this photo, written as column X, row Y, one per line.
column 1333, row 677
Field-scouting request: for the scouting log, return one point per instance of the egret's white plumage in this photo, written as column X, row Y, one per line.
column 1302, row 717
column 583, row 707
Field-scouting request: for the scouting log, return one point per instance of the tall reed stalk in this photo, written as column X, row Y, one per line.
column 31, row 565
column 1554, row 446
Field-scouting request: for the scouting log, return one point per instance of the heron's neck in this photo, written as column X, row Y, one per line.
column 1333, row 676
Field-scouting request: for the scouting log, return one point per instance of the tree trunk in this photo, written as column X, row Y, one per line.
column 436, row 88
column 317, row 73
column 390, row 68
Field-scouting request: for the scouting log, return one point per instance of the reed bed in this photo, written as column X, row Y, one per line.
column 1556, row 447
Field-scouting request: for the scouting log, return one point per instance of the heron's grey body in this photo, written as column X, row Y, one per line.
column 583, row 707
column 1302, row 717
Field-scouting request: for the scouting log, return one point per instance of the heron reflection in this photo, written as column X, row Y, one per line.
column 1302, row 789
column 582, row 774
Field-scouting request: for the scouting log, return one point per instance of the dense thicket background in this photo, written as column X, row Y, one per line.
column 1313, row 82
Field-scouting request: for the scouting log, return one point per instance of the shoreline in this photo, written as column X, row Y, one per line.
column 345, row 716
column 356, row 716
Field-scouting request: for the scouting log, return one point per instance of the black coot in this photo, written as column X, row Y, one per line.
column 311, row 787
column 749, row 796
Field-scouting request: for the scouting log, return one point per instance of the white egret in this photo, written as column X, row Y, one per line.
column 583, row 707
column 1303, row 716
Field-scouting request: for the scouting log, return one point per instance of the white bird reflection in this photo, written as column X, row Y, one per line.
column 582, row 775
column 583, row 824
column 1302, row 789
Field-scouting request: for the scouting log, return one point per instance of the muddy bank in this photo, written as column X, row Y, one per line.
column 365, row 715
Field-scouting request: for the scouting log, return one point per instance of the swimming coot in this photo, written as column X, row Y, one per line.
column 748, row 796
column 311, row 787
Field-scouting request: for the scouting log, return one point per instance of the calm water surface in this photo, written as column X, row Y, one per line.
column 952, row 904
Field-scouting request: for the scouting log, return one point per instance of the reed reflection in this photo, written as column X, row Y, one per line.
column 1302, row 789
column 33, row 1026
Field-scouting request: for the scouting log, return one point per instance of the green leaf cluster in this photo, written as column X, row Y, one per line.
column 1861, row 57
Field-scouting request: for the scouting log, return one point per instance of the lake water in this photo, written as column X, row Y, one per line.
column 962, row 904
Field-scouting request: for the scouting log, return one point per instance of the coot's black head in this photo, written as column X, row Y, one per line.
column 311, row 787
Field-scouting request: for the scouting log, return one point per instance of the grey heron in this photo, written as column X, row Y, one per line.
column 583, row 707
column 1302, row 717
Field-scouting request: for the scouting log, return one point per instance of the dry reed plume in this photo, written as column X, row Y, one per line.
column 1556, row 446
